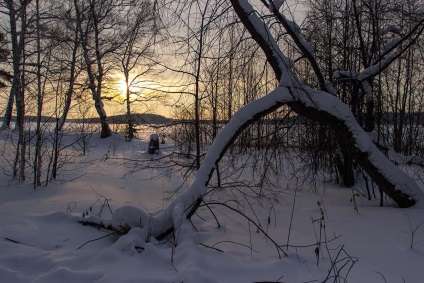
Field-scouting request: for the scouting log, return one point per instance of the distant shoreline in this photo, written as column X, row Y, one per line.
column 115, row 119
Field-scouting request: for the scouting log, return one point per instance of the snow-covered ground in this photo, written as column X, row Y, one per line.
column 41, row 240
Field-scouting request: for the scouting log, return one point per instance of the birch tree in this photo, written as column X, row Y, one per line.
column 17, row 13
column 97, row 23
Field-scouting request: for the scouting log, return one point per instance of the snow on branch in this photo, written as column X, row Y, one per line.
column 275, row 5
column 306, row 48
column 391, row 28
column 388, row 56
column 372, row 156
column 391, row 44
column 258, row 29
column 366, row 74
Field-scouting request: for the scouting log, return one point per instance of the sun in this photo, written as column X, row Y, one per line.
column 122, row 86
column 122, row 89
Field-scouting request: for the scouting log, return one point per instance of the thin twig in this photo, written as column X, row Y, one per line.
column 113, row 233
column 209, row 247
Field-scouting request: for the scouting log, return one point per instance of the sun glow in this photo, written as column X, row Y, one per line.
column 134, row 91
column 122, row 86
column 145, row 95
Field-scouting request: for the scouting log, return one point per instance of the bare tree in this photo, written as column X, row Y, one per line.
column 97, row 23
column 142, row 26
column 18, row 31
column 40, row 98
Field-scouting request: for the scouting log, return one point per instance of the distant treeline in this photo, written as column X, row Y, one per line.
column 116, row 119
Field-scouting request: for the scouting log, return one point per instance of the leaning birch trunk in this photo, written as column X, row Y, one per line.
column 318, row 105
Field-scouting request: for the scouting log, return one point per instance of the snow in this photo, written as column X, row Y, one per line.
column 41, row 240
column 338, row 74
column 375, row 69
column 391, row 28
column 329, row 85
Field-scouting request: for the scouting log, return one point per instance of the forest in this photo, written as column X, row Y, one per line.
column 252, row 103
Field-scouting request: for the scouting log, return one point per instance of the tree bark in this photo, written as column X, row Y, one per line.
column 7, row 118
column 95, row 80
column 16, row 61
